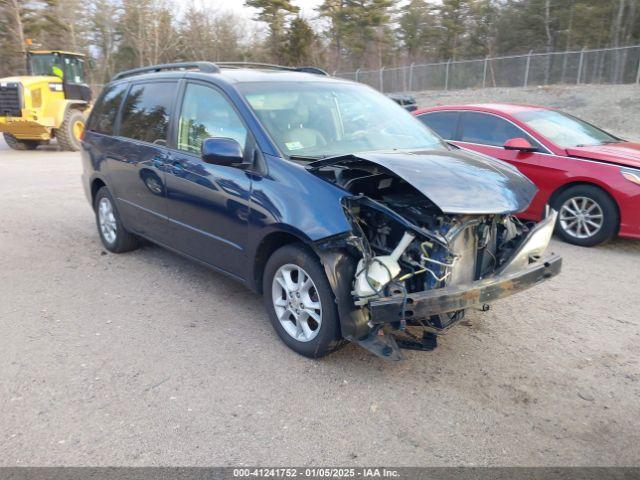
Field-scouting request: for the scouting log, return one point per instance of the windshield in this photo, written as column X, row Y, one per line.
column 66, row 67
column 564, row 130
column 321, row 119
column 46, row 64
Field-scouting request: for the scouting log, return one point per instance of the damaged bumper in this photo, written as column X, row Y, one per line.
column 459, row 297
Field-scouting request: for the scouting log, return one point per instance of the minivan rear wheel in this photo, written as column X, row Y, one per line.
column 114, row 236
column 300, row 302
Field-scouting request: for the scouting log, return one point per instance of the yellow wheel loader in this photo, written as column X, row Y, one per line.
column 52, row 101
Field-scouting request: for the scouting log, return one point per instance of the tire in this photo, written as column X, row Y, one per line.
column 597, row 210
column 122, row 240
column 67, row 134
column 16, row 144
column 326, row 337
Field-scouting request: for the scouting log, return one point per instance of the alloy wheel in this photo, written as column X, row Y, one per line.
column 581, row 217
column 296, row 302
column 107, row 220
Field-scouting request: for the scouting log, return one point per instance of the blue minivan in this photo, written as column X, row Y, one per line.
column 355, row 221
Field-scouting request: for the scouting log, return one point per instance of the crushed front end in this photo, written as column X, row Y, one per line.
column 409, row 269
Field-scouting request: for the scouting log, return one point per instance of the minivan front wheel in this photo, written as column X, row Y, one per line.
column 300, row 303
column 114, row 236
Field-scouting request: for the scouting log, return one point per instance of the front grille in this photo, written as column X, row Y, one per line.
column 10, row 101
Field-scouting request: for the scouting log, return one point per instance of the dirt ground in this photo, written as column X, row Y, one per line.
column 614, row 108
column 148, row 359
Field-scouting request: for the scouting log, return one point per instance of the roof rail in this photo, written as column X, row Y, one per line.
column 205, row 67
column 315, row 70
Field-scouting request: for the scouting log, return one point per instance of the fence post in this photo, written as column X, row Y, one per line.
column 638, row 74
column 580, row 62
column 526, row 70
column 446, row 75
column 357, row 73
column 382, row 79
column 484, row 72
column 411, row 76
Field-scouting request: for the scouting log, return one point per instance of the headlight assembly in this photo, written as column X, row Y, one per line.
column 631, row 175
column 534, row 245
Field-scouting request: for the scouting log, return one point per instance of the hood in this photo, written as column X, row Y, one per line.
column 623, row 153
column 456, row 181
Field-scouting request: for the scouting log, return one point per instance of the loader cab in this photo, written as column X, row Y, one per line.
column 68, row 67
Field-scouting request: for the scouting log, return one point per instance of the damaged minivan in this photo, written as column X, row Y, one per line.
column 352, row 219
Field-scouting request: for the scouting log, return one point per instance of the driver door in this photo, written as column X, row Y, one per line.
column 208, row 205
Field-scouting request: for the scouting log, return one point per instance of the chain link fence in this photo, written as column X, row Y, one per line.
column 603, row 65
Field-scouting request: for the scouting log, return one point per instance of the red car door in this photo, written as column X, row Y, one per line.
column 487, row 133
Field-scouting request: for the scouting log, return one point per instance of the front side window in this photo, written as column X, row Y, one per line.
column 74, row 69
column 207, row 113
column 104, row 113
column 146, row 112
column 444, row 124
column 488, row 129
column 564, row 130
column 320, row 119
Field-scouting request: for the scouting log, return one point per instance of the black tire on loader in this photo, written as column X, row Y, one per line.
column 68, row 134
column 16, row 144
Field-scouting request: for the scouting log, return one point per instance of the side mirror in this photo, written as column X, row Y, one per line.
column 226, row 152
column 520, row 144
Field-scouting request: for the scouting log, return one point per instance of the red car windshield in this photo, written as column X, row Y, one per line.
column 564, row 130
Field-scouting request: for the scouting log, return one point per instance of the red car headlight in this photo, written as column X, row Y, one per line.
column 631, row 175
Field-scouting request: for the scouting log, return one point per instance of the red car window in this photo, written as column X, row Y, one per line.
column 444, row 124
column 487, row 129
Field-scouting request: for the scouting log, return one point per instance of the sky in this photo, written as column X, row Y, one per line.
column 237, row 6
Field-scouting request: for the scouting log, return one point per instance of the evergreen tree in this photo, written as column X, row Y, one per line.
column 275, row 13
column 300, row 43
column 416, row 29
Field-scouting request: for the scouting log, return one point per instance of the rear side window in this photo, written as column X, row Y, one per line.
column 444, row 124
column 489, row 130
column 104, row 113
column 146, row 112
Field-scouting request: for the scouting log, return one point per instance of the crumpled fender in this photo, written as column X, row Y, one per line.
column 340, row 268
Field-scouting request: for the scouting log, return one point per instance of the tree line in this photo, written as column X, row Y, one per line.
column 340, row 34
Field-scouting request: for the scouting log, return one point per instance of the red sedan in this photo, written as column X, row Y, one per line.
column 590, row 176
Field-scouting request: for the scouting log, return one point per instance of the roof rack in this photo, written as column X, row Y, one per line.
column 205, row 67
column 210, row 67
column 315, row 70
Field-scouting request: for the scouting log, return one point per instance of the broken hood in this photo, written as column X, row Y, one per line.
column 456, row 181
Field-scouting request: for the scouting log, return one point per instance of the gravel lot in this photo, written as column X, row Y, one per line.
column 148, row 359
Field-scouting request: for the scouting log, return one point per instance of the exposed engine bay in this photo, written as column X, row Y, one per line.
column 407, row 244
